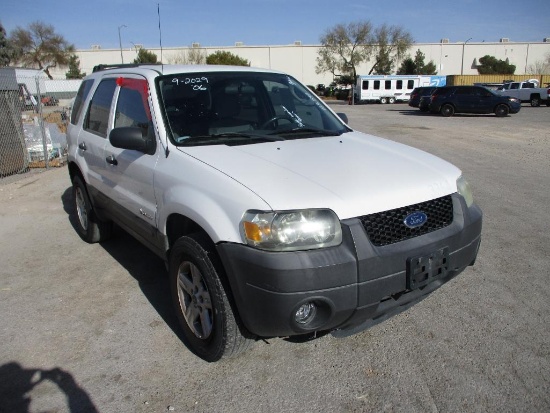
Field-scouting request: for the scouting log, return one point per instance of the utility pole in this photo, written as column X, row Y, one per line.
column 462, row 64
column 120, row 42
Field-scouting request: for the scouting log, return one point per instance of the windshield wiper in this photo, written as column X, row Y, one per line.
column 321, row 132
column 221, row 138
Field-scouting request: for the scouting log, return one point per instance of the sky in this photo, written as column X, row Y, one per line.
column 273, row 22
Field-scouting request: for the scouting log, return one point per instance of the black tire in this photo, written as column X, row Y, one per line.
column 548, row 102
column 201, row 302
column 447, row 110
column 382, row 100
column 502, row 110
column 90, row 228
column 391, row 100
column 535, row 101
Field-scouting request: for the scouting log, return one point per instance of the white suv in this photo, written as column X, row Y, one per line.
column 275, row 218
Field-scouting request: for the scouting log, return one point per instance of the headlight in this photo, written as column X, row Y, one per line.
column 291, row 230
column 515, row 100
column 464, row 189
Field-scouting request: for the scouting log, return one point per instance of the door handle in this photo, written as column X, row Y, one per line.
column 82, row 145
column 111, row 160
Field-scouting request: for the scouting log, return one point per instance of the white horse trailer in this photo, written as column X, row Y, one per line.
column 392, row 88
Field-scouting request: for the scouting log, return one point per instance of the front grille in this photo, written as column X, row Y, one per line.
column 388, row 227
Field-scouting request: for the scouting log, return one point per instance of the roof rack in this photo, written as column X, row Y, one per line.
column 101, row 67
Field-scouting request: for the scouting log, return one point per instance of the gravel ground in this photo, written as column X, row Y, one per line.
column 89, row 328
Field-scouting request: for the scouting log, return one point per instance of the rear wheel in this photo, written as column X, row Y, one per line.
column 502, row 110
column 383, row 100
column 535, row 101
column 447, row 110
column 391, row 100
column 90, row 228
column 201, row 302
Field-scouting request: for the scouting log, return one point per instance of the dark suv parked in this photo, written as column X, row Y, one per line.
column 418, row 93
column 449, row 100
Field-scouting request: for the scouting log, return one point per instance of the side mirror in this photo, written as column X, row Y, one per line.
column 344, row 117
column 131, row 138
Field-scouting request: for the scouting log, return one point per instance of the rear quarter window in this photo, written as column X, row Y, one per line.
column 82, row 94
column 97, row 118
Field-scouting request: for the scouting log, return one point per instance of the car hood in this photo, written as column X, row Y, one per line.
column 353, row 174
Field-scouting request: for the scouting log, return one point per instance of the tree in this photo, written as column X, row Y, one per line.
column 408, row 67
column 540, row 67
column 226, row 58
column 344, row 47
column 8, row 52
column 490, row 65
column 417, row 66
column 193, row 56
column 145, row 56
column 40, row 47
column 347, row 46
column 391, row 43
column 74, row 68
column 384, row 62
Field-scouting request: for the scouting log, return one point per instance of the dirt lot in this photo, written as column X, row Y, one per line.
column 88, row 328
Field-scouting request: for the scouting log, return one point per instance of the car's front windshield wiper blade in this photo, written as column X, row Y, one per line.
column 220, row 138
column 321, row 132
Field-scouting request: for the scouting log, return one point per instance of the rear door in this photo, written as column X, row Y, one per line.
column 93, row 137
column 465, row 100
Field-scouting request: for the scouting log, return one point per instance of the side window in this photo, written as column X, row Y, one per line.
column 377, row 85
column 514, row 86
column 399, row 85
column 81, row 96
column 410, row 84
column 97, row 118
column 388, row 84
column 132, row 108
column 365, row 85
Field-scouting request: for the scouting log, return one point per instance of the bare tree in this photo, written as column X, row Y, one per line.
column 40, row 47
column 389, row 44
column 345, row 46
column 193, row 56
column 7, row 51
column 540, row 67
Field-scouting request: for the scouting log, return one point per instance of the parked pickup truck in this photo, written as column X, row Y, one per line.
column 527, row 91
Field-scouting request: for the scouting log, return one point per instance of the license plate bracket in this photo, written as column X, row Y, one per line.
column 425, row 269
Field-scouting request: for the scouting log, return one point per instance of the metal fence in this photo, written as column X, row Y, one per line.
column 34, row 113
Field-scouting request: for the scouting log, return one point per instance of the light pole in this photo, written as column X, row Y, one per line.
column 462, row 64
column 120, row 42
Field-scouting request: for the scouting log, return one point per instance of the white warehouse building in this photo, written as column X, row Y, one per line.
column 300, row 60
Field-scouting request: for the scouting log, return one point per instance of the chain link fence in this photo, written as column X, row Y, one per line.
column 34, row 113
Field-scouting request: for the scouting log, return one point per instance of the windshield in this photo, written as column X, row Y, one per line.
column 242, row 107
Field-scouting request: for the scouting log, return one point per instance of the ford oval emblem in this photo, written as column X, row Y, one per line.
column 415, row 220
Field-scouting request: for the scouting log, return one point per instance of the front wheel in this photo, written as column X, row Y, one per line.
column 90, row 228
column 201, row 302
column 391, row 100
column 383, row 100
column 502, row 110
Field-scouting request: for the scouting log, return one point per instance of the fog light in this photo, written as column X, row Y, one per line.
column 305, row 313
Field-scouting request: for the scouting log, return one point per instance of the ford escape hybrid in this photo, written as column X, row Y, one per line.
column 274, row 217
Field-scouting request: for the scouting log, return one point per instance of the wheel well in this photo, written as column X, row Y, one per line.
column 535, row 95
column 74, row 170
column 178, row 225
